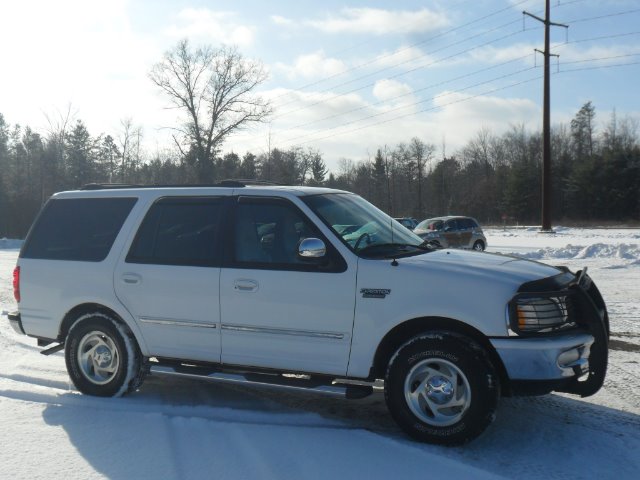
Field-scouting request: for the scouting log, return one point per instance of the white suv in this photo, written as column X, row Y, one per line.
column 303, row 288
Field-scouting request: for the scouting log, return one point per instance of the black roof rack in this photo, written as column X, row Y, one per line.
column 224, row 183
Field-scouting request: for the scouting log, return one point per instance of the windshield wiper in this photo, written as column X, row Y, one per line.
column 392, row 246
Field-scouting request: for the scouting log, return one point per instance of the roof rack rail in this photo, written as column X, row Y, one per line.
column 106, row 186
column 245, row 182
column 230, row 183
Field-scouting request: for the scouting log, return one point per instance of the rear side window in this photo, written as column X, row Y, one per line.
column 467, row 223
column 81, row 229
column 179, row 231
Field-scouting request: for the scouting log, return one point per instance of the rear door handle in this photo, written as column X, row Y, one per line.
column 131, row 278
column 245, row 285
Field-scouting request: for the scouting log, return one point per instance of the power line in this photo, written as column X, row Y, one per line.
column 603, row 37
column 366, row 42
column 334, row 134
column 430, row 86
column 601, row 58
column 402, row 107
column 399, row 74
column 377, row 59
column 424, row 110
column 598, row 67
column 433, row 85
column 434, row 62
column 588, row 19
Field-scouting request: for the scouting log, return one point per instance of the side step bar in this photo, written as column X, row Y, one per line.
column 265, row 380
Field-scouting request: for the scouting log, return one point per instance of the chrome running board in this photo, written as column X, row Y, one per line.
column 264, row 380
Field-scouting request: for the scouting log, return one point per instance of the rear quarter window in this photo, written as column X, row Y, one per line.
column 80, row 229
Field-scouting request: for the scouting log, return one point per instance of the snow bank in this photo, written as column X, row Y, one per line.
column 622, row 251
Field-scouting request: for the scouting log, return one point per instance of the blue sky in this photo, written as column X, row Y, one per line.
column 344, row 77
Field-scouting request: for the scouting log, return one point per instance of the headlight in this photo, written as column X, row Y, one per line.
column 531, row 314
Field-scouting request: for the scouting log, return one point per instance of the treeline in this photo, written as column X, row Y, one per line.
column 596, row 171
column 496, row 178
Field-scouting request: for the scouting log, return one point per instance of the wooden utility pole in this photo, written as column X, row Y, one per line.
column 546, row 118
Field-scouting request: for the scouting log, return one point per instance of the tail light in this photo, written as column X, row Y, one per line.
column 16, row 283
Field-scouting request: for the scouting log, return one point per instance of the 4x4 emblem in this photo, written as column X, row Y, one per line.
column 374, row 292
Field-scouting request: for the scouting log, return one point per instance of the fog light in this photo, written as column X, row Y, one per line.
column 570, row 356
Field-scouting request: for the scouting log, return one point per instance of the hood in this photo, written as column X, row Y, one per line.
column 501, row 268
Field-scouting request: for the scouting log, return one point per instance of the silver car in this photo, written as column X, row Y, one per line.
column 452, row 232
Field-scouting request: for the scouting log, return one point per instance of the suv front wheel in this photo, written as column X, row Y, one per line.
column 102, row 356
column 441, row 388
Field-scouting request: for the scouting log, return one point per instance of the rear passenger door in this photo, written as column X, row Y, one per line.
column 169, row 278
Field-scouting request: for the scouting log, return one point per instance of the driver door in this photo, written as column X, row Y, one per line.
column 451, row 233
column 277, row 310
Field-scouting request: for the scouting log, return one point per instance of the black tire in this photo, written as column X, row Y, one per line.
column 440, row 356
column 479, row 246
column 102, row 356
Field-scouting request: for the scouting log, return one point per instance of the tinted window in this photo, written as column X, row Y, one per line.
column 450, row 225
column 464, row 223
column 468, row 223
column 267, row 235
column 179, row 231
column 82, row 229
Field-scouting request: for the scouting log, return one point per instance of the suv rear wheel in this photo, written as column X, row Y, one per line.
column 441, row 388
column 102, row 356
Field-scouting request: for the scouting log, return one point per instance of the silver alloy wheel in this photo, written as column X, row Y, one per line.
column 98, row 357
column 437, row 392
column 478, row 246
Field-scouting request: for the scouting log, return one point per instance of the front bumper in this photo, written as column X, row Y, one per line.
column 16, row 322
column 574, row 361
column 549, row 358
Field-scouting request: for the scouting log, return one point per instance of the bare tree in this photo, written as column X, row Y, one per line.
column 214, row 90
column 129, row 138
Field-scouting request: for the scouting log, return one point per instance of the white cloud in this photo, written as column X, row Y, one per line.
column 381, row 22
column 79, row 53
column 465, row 114
column 312, row 65
column 219, row 27
column 490, row 54
column 282, row 21
column 406, row 57
column 596, row 55
column 391, row 89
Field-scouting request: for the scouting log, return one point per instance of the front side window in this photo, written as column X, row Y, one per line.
column 77, row 229
column 450, row 226
column 366, row 230
column 269, row 233
column 179, row 231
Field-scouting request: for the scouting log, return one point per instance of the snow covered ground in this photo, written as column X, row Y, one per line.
column 179, row 429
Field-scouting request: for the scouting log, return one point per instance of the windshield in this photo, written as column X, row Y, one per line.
column 365, row 229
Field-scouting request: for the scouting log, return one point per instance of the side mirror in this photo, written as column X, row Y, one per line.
column 311, row 248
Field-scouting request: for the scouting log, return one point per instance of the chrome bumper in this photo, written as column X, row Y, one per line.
column 545, row 358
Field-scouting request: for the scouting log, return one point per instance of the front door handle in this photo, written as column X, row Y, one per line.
column 131, row 278
column 245, row 285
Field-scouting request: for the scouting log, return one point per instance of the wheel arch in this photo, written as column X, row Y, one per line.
column 403, row 332
column 85, row 308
